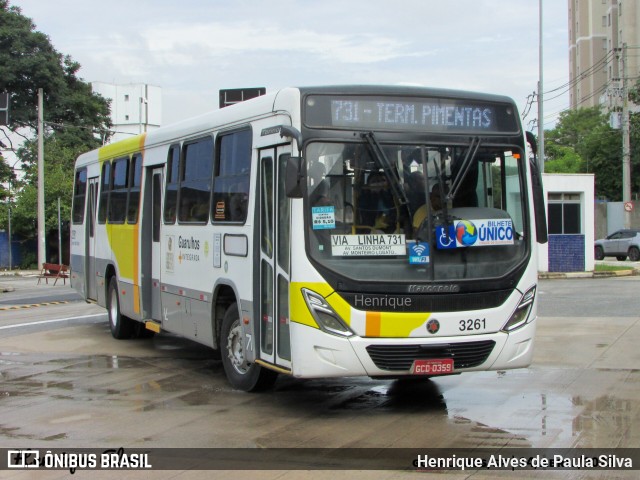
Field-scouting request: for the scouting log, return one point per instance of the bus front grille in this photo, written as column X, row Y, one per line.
column 401, row 357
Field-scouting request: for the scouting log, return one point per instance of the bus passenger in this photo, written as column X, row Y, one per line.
column 435, row 201
column 376, row 206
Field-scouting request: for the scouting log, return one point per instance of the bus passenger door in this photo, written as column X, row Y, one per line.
column 150, row 244
column 274, row 265
column 90, row 240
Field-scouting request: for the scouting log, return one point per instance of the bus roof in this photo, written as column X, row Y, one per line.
column 278, row 100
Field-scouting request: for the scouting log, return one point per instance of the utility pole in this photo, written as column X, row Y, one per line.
column 9, row 219
column 626, row 143
column 59, row 235
column 41, row 227
column 540, row 106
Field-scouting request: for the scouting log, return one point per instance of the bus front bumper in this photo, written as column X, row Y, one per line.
column 318, row 354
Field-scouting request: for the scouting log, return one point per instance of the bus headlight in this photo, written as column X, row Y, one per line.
column 520, row 316
column 324, row 315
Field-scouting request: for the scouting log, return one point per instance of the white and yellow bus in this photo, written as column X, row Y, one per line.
column 322, row 232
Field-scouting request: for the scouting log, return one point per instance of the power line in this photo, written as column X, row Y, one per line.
column 596, row 93
column 557, row 113
column 566, row 87
column 530, row 99
column 585, row 74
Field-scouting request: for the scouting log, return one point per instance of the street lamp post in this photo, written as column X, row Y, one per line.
column 41, row 220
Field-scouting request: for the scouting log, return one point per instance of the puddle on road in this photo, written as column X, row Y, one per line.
column 604, row 419
column 397, row 395
column 14, row 433
column 535, row 407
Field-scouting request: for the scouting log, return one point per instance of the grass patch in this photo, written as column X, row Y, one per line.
column 612, row 268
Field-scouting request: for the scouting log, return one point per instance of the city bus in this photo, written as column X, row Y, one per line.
column 334, row 231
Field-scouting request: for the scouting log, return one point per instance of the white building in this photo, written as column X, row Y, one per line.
column 135, row 108
column 570, row 220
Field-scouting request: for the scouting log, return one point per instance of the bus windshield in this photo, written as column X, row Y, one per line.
column 416, row 213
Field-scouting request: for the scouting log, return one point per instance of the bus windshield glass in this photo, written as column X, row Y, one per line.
column 399, row 212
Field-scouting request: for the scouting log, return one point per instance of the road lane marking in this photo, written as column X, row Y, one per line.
column 31, row 305
column 42, row 322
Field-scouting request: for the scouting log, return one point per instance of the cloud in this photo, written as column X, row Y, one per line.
column 192, row 48
column 186, row 44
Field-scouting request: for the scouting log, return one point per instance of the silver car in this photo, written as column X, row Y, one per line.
column 620, row 244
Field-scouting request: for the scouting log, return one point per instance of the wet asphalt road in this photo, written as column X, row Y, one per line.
column 70, row 384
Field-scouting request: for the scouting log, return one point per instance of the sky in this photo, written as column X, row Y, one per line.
column 193, row 48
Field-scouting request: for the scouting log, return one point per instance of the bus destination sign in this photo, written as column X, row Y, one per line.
column 408, row 113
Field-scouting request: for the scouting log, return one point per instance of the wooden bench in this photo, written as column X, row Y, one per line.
column 55, row 271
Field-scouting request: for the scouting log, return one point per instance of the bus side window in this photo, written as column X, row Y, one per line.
column 105, row 189
column 195, row 181
column 119, row 191
column 231, row 184
column 171, row 190
column 79, row 196
column 135, row 178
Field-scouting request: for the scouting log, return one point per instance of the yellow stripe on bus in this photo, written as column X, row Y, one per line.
column 124, row 239
column 299, row 311
column 122, row 148
column 397, row 324
column 377, row 324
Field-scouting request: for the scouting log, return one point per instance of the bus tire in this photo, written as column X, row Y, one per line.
column 248, row 377
column 121, row 326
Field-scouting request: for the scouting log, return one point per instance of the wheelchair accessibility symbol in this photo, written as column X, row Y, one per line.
column 445, row 238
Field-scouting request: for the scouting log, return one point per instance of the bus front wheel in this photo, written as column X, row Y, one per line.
column 121, row 326
column 241, row 374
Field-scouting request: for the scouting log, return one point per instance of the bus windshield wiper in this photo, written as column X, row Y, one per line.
column 391, row 173
column 464, row 169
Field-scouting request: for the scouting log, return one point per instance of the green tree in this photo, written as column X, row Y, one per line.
column 76, row 120
column 58, row 178
column 7, row 175
column 583, row 142
column 28, row 61
column 562, row 159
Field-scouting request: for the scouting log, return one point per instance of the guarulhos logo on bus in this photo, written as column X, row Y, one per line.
column 189, row 243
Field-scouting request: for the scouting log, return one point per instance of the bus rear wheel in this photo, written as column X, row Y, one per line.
column 241, row 374
column 121, row 326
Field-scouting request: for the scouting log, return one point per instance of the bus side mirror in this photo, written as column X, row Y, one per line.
column 538, row 203
column 295, row 176
column 533, row 143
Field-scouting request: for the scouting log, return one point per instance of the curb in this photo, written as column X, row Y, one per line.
column 19, row 273
column 613, row 273
column 616, row 273
column 13, row 274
